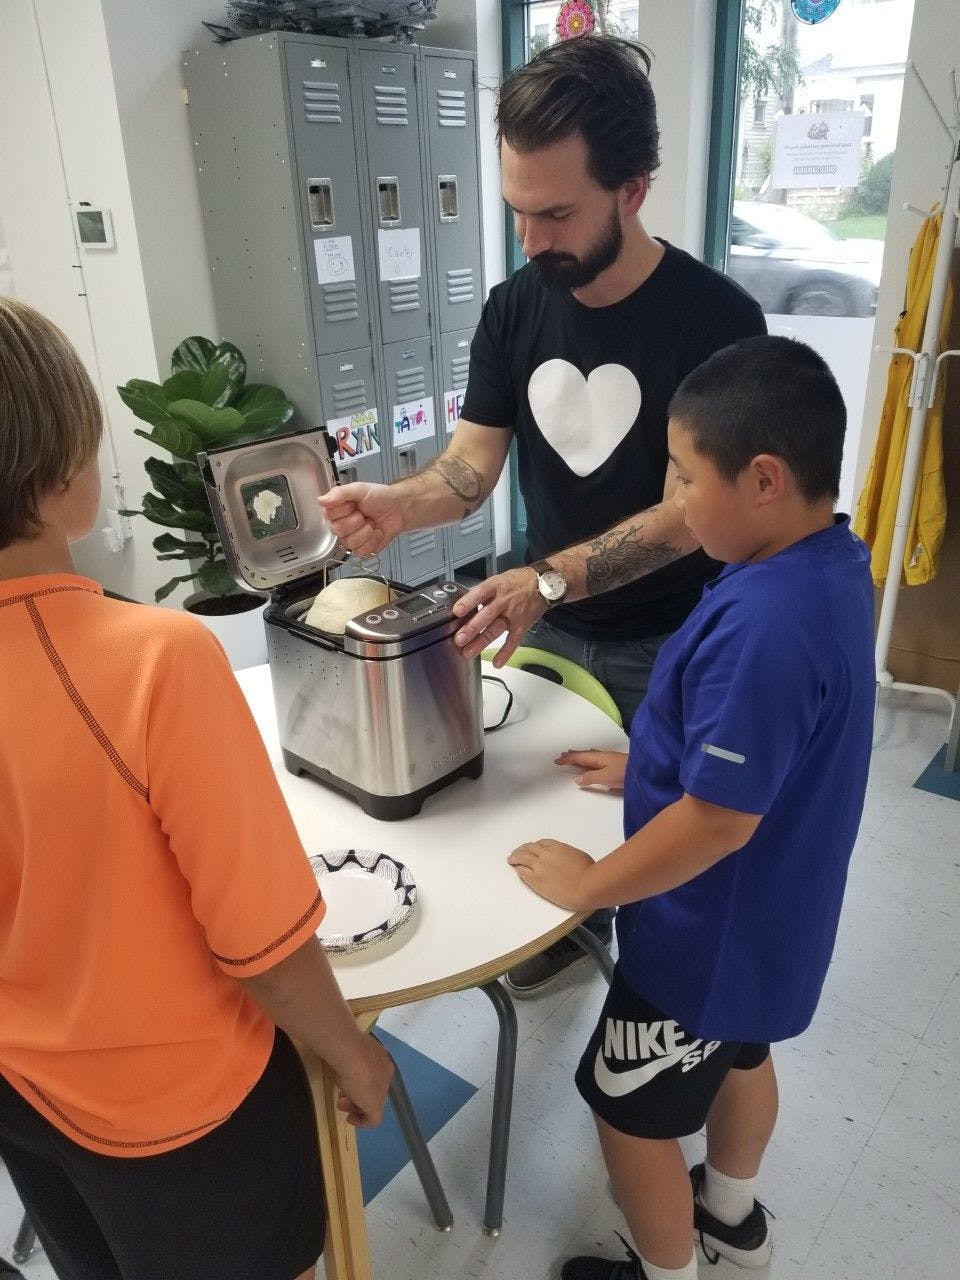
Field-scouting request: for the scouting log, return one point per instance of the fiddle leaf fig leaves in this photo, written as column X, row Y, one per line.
column 205, row 403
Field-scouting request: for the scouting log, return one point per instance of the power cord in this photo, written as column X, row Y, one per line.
column 492, row 728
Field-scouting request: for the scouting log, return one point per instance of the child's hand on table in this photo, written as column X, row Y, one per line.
column 603, row 770
column 554, row 870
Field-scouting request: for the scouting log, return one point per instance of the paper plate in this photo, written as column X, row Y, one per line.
column 369, row 896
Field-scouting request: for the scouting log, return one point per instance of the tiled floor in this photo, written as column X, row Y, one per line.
column 864, row 1170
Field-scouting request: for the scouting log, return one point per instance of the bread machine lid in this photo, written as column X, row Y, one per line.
column 263, row 495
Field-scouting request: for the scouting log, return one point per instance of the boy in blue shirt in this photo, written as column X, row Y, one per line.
column 743, row 791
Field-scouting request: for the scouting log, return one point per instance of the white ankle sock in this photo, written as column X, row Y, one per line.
column 729, row 1199
column 689, row 1272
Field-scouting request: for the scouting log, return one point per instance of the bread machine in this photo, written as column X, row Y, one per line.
column 389, row 712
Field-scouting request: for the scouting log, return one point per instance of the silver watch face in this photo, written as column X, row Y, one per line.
column 552, row 585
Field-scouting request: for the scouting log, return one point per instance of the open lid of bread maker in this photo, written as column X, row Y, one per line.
column 263, row 495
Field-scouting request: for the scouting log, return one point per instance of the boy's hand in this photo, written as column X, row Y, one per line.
column 363, row 1089
column 603, row 770
column 554, row 870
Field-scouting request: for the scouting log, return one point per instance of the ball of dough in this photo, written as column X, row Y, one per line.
column 342, row 600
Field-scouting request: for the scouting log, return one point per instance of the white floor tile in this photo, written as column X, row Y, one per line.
column 920, row 1129
column 888, row 1222
column 944, row 1030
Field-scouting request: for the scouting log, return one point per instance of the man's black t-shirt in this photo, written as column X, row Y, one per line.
column 586, row 390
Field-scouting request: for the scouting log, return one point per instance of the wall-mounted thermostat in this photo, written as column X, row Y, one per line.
column 94, row 226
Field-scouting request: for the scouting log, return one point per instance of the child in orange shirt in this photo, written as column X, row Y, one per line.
column 157, row 910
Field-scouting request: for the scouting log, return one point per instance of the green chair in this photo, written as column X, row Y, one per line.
column 562, row 671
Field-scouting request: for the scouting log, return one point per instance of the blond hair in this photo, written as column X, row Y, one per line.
column 50, row 417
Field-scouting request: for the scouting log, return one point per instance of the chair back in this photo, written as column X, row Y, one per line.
column 562, row 671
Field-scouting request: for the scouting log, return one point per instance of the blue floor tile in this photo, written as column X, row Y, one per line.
column 939, row 780
column 436, row 1093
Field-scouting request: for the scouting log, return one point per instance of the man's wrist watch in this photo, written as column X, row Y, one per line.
column 551, row 583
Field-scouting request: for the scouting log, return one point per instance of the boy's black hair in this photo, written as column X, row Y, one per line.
column 767, row 395
column 596, row 86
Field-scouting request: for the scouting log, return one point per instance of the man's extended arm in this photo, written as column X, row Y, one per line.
column 366, row 517
column 510, row 602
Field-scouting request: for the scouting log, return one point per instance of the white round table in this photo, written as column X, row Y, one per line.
column 474, row 916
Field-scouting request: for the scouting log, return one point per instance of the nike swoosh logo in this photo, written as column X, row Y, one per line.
column 617, row 1083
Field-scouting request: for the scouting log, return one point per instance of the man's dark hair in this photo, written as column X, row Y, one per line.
column 767, row 395
column 596, row 86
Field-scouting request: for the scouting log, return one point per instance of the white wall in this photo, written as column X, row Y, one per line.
column 920, row 168
column 60, row 142
column 681, row 37
column 91, row 109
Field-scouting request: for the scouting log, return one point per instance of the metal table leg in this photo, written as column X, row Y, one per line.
column 502, row 1106
column 593, row 946
column 25, row 1242
column 419, row 1153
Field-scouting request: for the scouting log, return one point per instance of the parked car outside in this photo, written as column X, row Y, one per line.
column 794, row 265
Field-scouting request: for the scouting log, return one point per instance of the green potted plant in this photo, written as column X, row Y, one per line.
column 206, row 402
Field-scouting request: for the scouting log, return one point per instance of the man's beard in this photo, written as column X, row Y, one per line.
column 564, row 271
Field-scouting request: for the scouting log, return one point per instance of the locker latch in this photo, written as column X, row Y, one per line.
column 447, row 194
column 320, row 201
column 388, row 201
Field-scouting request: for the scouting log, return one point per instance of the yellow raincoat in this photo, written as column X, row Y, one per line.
column 877, row 508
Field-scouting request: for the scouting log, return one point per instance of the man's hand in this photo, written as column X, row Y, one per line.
column 365, row 517
column 363, row 1085
column 555, row 871
column 508, row 602
column 604, row 770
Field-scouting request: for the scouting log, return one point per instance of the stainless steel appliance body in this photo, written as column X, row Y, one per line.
column 389, row 716
column 390, row 712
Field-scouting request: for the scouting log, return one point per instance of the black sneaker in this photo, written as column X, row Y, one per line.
column 604, row 1268
column 748, row 1244
column 530, row 977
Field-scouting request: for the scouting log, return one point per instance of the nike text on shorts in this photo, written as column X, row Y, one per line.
column 646, row 1076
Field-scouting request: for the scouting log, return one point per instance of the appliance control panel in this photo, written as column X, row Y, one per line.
column 409, row 615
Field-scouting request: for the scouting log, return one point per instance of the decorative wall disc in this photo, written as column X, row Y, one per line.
column 576, row 18
column 813, row 11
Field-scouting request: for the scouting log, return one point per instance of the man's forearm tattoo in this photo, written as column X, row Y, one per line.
column 466, row 483
column 620, row 556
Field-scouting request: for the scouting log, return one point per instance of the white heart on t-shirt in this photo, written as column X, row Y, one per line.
column 583, row 419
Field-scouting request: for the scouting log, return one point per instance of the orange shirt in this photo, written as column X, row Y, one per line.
column 147, row 859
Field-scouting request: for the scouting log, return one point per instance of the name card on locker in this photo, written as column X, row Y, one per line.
column 412, row 421
column 357, row 436
column 334, row 256
column 399, row 254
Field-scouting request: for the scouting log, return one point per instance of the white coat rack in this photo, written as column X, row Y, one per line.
column 928, row 368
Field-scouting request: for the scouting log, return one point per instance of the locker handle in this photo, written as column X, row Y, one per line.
column 320, row 202
column 448, row 198
column 388, row 201
column 347, row 475
column 406, row 461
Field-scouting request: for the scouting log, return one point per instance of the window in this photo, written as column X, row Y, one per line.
column 760, row 112
column 866, row 102
column 831, row 104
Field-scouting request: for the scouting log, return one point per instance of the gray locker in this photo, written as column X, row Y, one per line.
column 350, row 410
column 340, row 193
column 327, row 177
column 411, row 420
column 395, row 188
column 472, row 538
column 453, row 186
column 243, row 152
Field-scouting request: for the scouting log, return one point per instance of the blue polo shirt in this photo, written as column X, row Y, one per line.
column 762, row 702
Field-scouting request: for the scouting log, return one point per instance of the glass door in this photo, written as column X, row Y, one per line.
column 817, row 112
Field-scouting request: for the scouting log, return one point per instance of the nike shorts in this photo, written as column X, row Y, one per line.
column 243, row 1202
column 647, row 1077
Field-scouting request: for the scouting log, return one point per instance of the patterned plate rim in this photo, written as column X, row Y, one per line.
column 387, row 868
